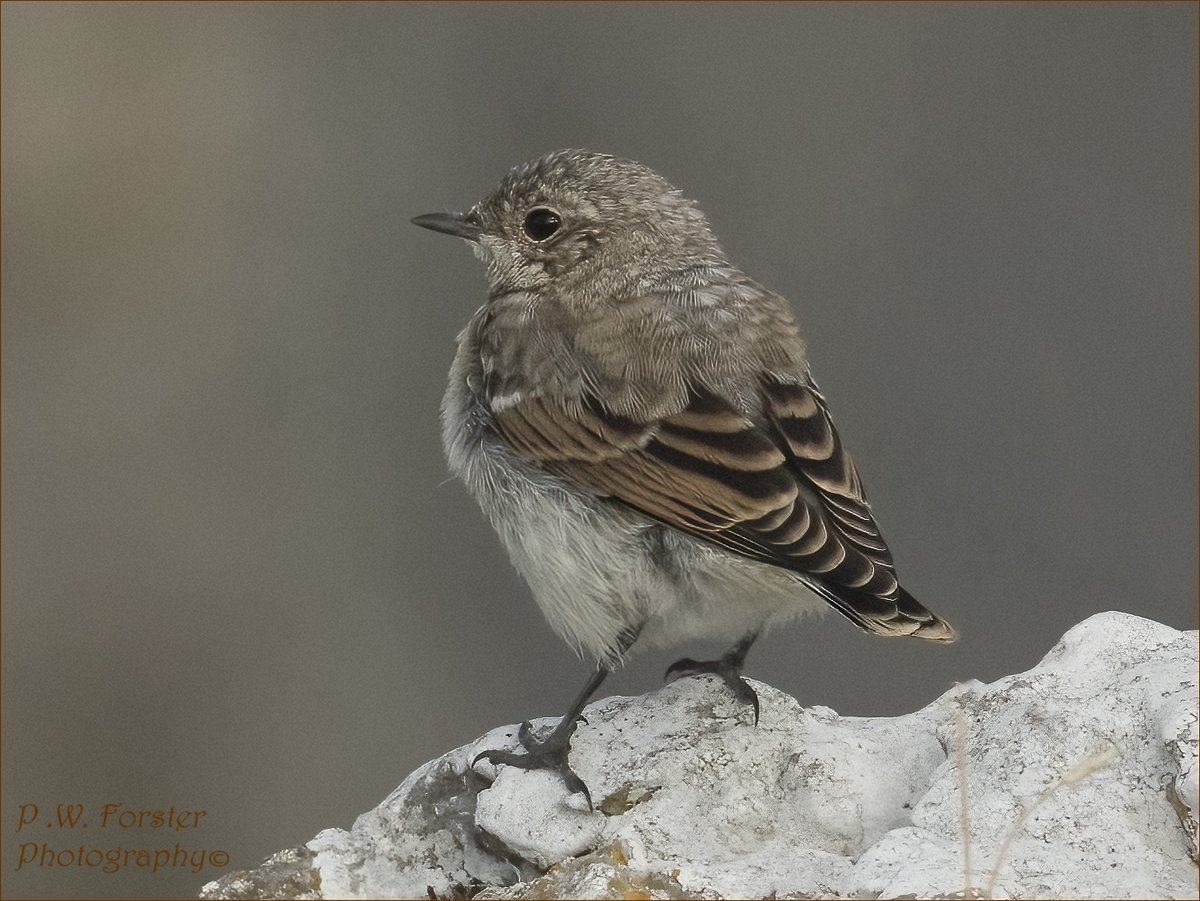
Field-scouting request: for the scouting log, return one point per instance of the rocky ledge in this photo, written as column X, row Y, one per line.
column 1075, row 779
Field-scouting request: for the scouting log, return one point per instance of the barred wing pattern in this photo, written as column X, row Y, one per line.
column 782, row 490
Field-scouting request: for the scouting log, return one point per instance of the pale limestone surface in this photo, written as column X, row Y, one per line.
column 1080, row 775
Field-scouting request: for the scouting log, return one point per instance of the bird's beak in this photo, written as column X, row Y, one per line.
column 462, row 225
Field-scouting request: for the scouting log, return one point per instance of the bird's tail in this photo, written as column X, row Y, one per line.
column 902, row 615
column 928, row 624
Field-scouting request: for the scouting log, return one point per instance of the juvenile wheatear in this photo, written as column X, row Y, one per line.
column 636, row 417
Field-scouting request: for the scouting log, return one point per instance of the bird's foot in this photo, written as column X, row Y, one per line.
column 727, row 667
column 550, row 754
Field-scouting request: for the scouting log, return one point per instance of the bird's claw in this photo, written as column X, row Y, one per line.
column 551, row 754
column 730, row 672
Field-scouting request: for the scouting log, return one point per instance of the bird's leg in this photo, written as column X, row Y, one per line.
column 728, row 666
column 552, row 752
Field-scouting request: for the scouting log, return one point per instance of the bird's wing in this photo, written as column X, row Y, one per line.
column 781, row 490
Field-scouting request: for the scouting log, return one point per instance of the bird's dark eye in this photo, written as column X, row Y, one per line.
column 541, row 223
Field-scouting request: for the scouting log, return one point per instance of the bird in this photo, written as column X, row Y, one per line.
column 637, row 418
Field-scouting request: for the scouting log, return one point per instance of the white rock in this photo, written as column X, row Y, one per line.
column 1080, row 777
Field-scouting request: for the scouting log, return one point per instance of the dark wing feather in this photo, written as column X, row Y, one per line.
column 782, row 491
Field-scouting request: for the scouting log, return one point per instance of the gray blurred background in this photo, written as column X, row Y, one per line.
column 235, row 577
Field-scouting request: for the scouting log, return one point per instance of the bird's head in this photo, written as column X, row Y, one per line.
column 581, row 222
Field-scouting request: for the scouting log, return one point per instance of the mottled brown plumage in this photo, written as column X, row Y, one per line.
column 637, row 418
